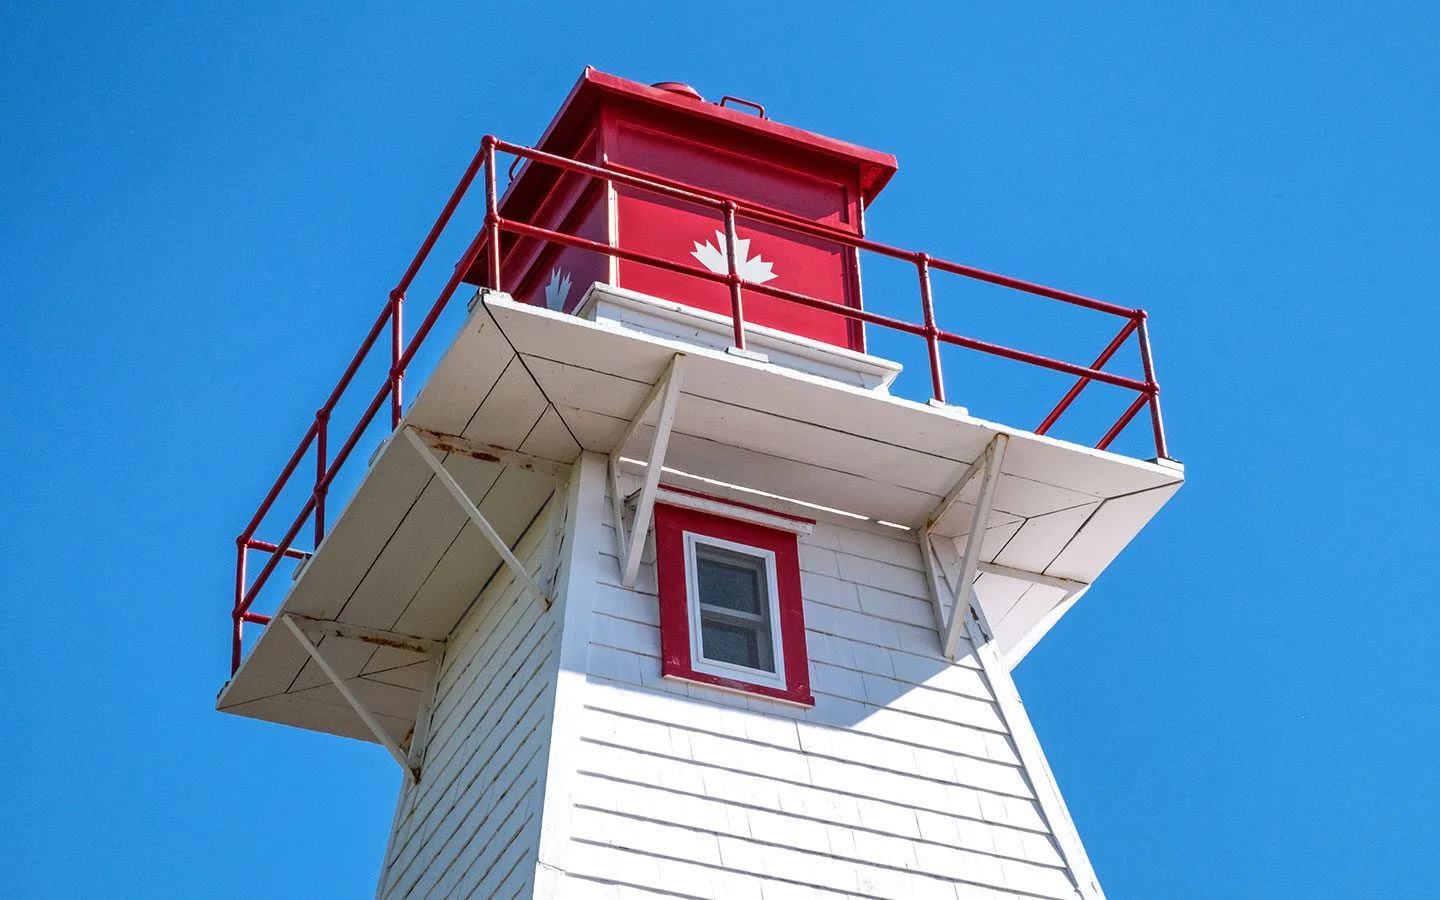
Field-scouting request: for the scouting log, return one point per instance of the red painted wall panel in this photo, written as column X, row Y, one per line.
column 558, row 276
column 775, row 256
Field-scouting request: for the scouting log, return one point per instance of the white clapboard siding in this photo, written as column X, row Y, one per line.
column 469, row 828
column 903, row 781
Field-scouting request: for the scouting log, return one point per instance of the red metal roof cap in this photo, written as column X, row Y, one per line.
column 876, row 167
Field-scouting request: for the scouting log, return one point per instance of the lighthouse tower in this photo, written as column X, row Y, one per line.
column 660, row 584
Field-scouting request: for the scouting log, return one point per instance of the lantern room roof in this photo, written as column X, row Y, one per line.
column 577, row 113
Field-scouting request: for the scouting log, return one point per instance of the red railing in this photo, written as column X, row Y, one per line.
column 488, row 239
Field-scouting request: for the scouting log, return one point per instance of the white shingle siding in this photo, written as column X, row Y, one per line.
column 469, row 827
column 561, row 763
column 902, row 781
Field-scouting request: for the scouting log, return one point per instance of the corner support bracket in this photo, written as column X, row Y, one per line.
column 361, row 710
column 987, row 466
column 630, row 546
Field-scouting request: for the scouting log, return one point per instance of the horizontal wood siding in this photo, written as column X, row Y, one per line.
column 902, row 781
column 469, row 828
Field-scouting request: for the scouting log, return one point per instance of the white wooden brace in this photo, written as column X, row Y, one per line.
column 1068, row 585
column 370, row 721
column 424, row 720
column 940, row 585
column 954, row 495
column 517, row 568
column 631, row 545
column 987, row 465
column 934, row 579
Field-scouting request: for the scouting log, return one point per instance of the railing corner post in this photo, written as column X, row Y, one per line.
column 397, row 341
column 1157, row 421
column 492, row 213
column 237, row 628
column 932, row 333
column 322, row 432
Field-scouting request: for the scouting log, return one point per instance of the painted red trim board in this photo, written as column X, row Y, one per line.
column 671, row 525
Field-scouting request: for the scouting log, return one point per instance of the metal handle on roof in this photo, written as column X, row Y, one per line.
column 743, row 102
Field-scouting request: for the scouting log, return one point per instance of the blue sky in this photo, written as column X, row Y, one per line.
column 201, row 210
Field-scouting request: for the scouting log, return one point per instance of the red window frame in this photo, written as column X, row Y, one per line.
column 672, row 523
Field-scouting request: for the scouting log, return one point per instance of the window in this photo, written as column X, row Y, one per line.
column 733, row 607
column 730, row 608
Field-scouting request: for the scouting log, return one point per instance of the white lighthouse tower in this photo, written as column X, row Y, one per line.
column 659, row 586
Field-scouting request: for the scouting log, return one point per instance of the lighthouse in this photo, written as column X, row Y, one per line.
column 658, row 583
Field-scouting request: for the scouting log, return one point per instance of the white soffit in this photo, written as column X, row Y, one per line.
column 803, row 436
column 403, row 556
column 1060, row 509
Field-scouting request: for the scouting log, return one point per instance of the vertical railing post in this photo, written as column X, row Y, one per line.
column 397, row 344
column 322, row 431
column 857, row 325
column 1157, row 423
column 612, row 235
column 932, row 339
column 492, row 214
column 737, row 302
column 237, row 632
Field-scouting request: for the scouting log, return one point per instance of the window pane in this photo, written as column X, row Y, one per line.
column 735, row 607
column 736, row 644
column 732, row 580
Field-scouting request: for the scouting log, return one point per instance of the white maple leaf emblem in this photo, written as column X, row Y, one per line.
column 558, row 290
column 750, row 268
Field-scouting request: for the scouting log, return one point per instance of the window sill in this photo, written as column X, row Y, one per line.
column 734, row 686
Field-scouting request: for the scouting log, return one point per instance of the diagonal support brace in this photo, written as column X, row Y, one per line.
column 1068, row 585
column 953, row 496
column 987, row 466
column 361, row 710
column 631, row 545
column 517, row 568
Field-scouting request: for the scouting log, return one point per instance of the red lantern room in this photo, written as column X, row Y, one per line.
column 669, row 134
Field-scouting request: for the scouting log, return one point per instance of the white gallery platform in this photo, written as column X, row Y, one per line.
column 523, row 390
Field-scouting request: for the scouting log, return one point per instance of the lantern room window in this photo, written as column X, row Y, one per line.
column 731, row 613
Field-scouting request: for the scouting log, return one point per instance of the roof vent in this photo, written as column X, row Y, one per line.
column 679, row 87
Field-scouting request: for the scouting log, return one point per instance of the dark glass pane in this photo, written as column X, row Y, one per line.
column 732, row 580
column 736, row 644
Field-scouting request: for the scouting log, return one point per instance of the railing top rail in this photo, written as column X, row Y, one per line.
column 717, row 200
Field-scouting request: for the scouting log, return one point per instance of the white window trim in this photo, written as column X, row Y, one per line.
column 718, row 668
